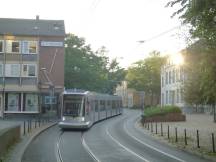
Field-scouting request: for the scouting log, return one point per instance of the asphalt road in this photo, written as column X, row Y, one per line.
column 113, row 140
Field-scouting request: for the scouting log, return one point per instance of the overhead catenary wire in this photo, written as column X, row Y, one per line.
column 160, row 34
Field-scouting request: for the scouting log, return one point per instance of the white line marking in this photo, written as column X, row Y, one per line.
column 153, row 148
column 57, row 150
column 88, row 150
column 132, row 152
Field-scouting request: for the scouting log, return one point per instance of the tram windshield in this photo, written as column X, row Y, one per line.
column 73, row 105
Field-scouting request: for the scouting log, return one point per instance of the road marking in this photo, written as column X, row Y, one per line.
column 129, row 150
column 57, row 149
column 153, row 148
column 88, row 149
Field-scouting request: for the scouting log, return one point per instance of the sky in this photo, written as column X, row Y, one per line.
column 116, row 24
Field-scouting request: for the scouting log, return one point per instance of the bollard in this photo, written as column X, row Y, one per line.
column 28, row 126
column 185, row 136
column 213, row 143
column 39, row 122
column 156, row 127
column 168, row 135
column 24, row 131
column 151, row 127
column 161, row 129
column 35, row 124
column 198, row 145
column 176, row 135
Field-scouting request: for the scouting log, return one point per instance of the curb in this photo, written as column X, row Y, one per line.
column 16, row 156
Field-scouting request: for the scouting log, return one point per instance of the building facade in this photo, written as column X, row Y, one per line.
column 172, row 81
column 31, row 65
column 130, row 97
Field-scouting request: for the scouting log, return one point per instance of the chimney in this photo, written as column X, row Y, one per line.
column 37, row 17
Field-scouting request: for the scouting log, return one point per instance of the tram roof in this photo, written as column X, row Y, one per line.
column 75, row 91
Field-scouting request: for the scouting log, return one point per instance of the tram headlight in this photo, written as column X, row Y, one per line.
column 63, row 118
column 82, row 119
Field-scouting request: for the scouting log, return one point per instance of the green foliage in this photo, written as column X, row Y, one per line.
column 85, row 69
column 145, row 74
column 155, row 111
column 200, row 87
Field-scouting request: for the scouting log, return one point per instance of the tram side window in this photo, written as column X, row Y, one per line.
column 96, row 105
column 102, row 105
column 113, row 105
column 108, row 104
column 117, row 104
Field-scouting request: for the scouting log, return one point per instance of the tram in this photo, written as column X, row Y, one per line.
column 81, row 109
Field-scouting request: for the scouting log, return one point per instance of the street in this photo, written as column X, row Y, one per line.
column 113, row 140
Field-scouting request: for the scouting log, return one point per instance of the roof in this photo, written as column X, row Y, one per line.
column 32, row 27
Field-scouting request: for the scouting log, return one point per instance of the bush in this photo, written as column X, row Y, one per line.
column 154, row 111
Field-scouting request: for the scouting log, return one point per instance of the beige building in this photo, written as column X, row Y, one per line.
column 130, row 97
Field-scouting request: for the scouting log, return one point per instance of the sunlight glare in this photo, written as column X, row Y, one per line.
column 177, row 59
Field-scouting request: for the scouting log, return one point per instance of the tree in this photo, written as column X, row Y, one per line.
column 145, row 75
column 200, row 14
column 85, row 69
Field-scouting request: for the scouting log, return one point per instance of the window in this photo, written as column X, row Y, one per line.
column 29, row 70
column 167, row 99
column 174, row 76
column 96, row 106
column 1, row 70
column 12, row 102
column 13, row 46
column 31, row 102
column 12, row 70
column 170, row 77
column 50, row 100
column 177, row 96
column 29, row 47
column 1, row 46
column 166, row 77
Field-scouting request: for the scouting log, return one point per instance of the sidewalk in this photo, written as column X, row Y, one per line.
column 28, row 131
column 203, row 145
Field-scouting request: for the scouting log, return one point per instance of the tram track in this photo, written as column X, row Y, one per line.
column 59, row 149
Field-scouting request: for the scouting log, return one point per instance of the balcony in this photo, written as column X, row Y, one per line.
column 19, row 57
column 29, row 81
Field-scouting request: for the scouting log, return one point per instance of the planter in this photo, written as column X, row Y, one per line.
column 170, row 117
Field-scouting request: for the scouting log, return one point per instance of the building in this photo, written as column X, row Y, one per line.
column 172, row 81
column 31, row 65
column 130, row 97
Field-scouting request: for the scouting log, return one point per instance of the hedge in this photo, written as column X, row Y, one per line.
column 154, row 111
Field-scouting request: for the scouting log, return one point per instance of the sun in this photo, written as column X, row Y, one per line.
column 177, row 59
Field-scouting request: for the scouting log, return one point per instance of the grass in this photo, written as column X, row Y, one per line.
column 155, row 111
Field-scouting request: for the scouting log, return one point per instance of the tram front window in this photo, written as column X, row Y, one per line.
column 73, row 106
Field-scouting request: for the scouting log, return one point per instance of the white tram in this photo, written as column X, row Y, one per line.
column 81, row 109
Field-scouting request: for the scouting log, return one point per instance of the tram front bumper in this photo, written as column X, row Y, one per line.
column 75, row 125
